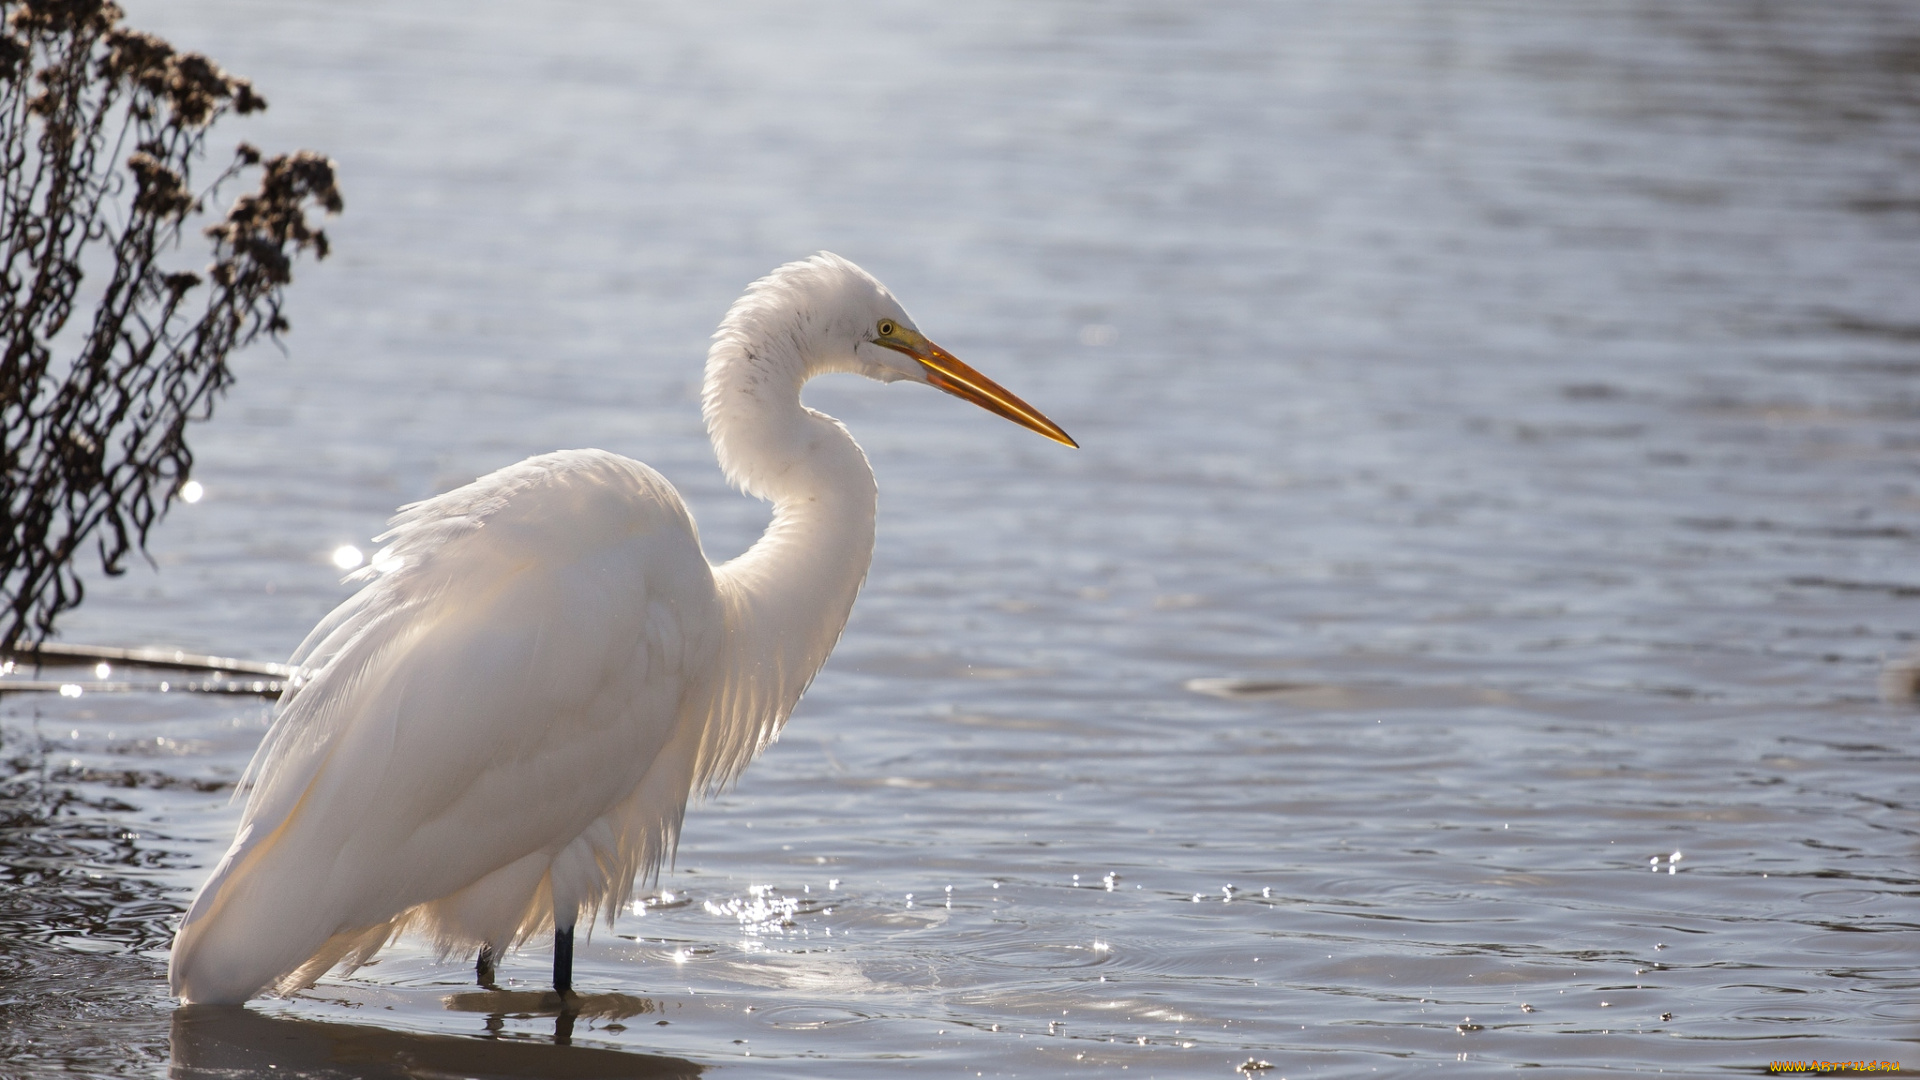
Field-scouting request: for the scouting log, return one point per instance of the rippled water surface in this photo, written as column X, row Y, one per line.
column 1454, row 648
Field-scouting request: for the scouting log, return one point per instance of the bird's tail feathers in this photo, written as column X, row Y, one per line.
column 347, row 950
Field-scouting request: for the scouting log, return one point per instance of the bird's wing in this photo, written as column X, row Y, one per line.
column 516, row 657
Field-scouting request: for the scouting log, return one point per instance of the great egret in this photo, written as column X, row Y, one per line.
column 500, row 731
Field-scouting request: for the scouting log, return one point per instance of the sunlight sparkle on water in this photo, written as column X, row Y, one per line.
column 347, row 557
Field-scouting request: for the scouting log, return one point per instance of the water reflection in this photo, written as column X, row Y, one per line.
column 73, row 874
column 222, row 1041
column 502, row 1005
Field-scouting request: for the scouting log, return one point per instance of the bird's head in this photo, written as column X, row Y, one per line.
column 853, row 323
column 901, row 352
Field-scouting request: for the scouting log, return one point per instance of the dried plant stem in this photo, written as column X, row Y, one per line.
column 100, row 130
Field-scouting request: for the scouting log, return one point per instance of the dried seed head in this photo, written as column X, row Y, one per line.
column 65, row 16
column 195, row 88
column 14, row 54
column 244, row 99
column 161, row 191
column 134, row 57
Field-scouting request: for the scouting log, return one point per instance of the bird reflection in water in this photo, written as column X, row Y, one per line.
column 218, row 1040
column 521, row 1004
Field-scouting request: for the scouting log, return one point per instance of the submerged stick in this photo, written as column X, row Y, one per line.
column 261, row 687
column 171, row 659
column 213, row 669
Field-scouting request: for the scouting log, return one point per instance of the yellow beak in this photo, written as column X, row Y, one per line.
column 944, row 370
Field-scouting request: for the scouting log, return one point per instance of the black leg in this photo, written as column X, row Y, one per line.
column 483, row 967
column 563, row 960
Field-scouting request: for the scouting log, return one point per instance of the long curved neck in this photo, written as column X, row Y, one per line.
column 787, row 598
column 800, row 578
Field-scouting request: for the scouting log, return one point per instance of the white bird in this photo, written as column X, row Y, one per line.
column 500, row 731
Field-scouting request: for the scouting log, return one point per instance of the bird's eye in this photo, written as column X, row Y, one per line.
column 886, row 328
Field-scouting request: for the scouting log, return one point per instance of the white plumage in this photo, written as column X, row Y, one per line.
column 500, row 731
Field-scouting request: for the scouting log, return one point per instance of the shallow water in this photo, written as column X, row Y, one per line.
column 1499, row 476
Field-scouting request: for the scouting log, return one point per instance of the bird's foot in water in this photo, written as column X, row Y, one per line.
column 483, row 967
column 563, row 962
